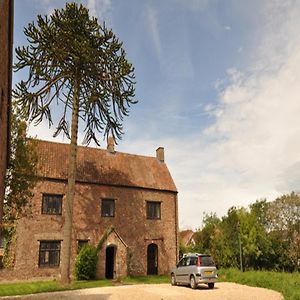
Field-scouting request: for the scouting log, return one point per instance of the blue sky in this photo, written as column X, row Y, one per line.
column 218, row 87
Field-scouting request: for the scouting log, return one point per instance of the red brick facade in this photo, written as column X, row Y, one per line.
column 131, row 181
column 6, row 40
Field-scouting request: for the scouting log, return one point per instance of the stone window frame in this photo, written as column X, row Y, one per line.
column 49, row 253
column 112, row 212
column 151, row 213
column 47, row 209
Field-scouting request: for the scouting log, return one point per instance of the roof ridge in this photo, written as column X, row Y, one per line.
column 92, row 148
column 101, row 166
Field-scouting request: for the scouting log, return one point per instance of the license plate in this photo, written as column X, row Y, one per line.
column 208, row 272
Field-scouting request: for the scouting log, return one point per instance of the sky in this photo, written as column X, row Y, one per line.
column 218, row 84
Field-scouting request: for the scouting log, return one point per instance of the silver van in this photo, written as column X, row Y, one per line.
column 194, row 269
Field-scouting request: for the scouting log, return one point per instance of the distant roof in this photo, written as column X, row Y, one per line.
column 186, row 237
column 102, row 167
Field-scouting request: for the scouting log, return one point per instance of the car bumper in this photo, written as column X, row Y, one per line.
column 206, row 279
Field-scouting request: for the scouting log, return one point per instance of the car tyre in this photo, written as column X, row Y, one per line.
column 173, row 279
column 193, row 282
column 211, row 285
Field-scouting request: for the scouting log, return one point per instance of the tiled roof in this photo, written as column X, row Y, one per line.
column 102, row 167
column 186, row 236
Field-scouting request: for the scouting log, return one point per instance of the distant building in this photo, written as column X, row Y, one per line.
column 187, row 238
column 6, row 42
column 134, row 194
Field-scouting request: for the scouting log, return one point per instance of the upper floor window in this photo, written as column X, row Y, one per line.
column 153, row 210
column 49, row 254
column 52, row 204
column 108, row 208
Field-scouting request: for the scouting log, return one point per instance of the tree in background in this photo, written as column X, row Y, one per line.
column 269, row 233
column 76, row 62
column 284, row 230
column 20, row 181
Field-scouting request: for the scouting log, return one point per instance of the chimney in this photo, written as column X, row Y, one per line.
column 111, row 145
column 160, row 154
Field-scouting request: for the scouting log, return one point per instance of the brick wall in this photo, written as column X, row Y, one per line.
column 6, row 25
column 134, row 232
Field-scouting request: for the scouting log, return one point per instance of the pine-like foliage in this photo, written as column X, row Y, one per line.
column 74, row 61
column 20, row 181
column 70, row 49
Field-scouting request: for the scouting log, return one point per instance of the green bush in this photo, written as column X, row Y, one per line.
column 86, row 263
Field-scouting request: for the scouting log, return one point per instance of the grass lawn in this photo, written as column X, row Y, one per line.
column 24, row 288
column 286, row 283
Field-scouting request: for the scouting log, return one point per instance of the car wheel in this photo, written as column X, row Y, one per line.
column 211, row 285
column 173, row 279
column 193, row 282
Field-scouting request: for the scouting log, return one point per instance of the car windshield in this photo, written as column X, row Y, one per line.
column 206, row 261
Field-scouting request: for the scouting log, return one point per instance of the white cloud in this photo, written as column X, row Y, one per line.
column 99, row 8
column 168, row 50
column 252, row 150
column 152, row 21
column 91, row 5
column 257, row 153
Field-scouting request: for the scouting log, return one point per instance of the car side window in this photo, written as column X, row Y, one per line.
column 182, row 262
column 193, row 261
column 188, row 261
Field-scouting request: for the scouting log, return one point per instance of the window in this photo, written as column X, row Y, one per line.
column 206, row 261
column 182, row 262
column 52, row 204
column 80, row 244
column 153, row 210
column 49, row 255
column 108, row 208
column 194, row 261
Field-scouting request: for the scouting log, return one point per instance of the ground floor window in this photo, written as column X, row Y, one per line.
column 49, row 254
column 80, row 244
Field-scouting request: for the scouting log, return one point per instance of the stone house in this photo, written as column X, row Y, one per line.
column 6, row 43
column 133, row 194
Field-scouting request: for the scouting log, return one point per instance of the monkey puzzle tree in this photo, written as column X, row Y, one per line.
column 77, row 63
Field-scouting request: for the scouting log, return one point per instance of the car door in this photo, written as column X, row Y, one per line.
column 180, row 272
column 187, row 270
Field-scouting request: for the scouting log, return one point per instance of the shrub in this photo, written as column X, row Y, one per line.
column 86, row 263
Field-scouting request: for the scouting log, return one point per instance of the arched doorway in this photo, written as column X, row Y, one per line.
column 152, row 259
column 110, row 258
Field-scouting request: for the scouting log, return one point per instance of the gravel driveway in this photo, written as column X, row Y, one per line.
column 222, row 291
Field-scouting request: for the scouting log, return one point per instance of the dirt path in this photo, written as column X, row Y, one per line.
column 222, row 291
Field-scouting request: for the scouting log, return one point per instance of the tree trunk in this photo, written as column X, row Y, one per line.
column 68, row 225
